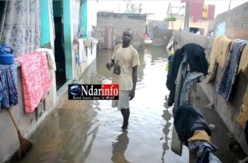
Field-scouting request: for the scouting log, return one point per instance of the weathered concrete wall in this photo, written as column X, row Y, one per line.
column 227, row 110
column 120, row 22
column 161, row 37
column 79, row 69
column 28, row 123
column 153, row 24
column 236, row 22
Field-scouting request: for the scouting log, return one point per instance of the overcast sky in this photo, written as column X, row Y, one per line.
column 160, row 6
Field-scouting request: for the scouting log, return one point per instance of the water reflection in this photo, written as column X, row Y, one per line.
column 167, row 116
column 85, row 130
column 119, row 148
column 157, row 54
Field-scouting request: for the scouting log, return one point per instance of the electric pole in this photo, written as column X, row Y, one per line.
column 186, row 18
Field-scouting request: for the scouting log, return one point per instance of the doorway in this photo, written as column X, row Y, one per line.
column 59, row 43
column 195, row 30
column 2, row 5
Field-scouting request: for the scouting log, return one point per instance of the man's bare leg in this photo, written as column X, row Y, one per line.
column 125, row 114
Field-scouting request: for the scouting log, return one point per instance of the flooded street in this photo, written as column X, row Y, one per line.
column 90, row 131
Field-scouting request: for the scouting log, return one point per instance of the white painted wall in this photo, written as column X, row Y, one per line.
column 93, row 7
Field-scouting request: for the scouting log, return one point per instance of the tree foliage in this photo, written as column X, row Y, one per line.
column 170, row 19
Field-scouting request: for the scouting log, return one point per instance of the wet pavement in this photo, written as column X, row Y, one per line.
column 90, row 131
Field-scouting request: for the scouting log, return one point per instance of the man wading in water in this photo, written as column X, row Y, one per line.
column 125, row 60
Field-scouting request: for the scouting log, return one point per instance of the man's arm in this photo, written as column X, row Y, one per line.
column 112, row 61
column 134, row 76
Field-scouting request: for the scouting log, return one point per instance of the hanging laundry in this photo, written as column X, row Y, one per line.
column 246, row 132
column 204, row 152
column 243, row 64
column 172, row 74
column 50, row 57
column 194, row 132
column 243, row 68
column 170, row 45
column 35, row 78
column 81, row 51
column 195, row 59
column 187, row 120
column 181, row 75
column 8, row 86
column 94, row 42
column 200, row 135
column 188, row 61
column 230, row 71
column 218, row 55
column 190, row 79
column 184, row 82
column 87, row 42
column 243, row 113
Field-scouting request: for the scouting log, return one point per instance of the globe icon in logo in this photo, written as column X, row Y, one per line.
column 75, row 90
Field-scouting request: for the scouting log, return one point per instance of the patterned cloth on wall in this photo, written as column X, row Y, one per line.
column 21, row 26
column 35, row 78
column 8, row 88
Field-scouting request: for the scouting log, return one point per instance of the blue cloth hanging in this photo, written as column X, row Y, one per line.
column 8, row 86
column 225, row 87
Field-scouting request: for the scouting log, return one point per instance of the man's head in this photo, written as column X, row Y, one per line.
column 127, row 36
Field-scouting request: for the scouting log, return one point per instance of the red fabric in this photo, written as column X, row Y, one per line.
column 35, row 78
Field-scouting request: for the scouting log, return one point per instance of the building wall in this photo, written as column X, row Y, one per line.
column 92, row 15
column 202, row 25
column 196, row 10
column 208, row 12
column 161, row 37
column 176, row 25
column 235, row 22
column 119, row 22
column 45, row 26
column 153, row 24
column 227, row 110
column 205, row 25
column 211, row 12
column 79, row 69
column 28, row 123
